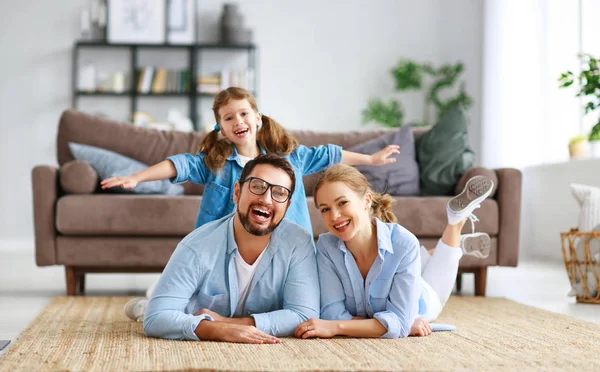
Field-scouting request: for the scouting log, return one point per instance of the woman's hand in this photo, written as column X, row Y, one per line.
column 382, row 156
column 127, row 182
column 316, row 328
column 420, row 328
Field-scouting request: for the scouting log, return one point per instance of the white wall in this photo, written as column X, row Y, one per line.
column 319, row 62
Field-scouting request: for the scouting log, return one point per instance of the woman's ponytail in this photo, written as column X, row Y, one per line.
column 381, row 207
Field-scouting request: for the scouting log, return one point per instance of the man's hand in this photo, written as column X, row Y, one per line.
column 420, row 328
column 213, row 331
column 382, row 157
column 316, row 328
column 215, row 316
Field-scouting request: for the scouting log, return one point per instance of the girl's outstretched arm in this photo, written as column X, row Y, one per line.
column 381, row 157
column 163, row 170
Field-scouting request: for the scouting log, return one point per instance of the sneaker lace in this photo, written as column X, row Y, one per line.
column 473, row 218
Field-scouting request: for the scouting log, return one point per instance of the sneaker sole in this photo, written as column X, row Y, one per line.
column 478, row 246
column 480, row 186
column 129, row 306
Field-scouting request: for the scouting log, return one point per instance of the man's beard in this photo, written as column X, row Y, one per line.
column 250, row 225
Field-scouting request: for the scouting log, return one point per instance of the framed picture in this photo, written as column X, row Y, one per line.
column 181, row 27
column 137, row 21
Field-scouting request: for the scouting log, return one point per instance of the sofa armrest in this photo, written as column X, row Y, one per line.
column 44, row 180
column 509, row 206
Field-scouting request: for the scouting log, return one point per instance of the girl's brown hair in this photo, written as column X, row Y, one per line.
column 381, row 206
column 271, row 136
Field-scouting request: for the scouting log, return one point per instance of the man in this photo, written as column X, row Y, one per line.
column 248, row 277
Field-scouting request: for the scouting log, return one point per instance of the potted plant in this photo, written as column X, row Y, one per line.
column 578, row 147
column 409, row 75
column 594, row 139
column 588, row 82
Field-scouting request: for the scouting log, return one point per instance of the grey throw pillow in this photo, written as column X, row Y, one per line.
column 111, row 164
column 399, row 178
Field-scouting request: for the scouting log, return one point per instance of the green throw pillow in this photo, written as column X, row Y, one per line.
column 443, row 153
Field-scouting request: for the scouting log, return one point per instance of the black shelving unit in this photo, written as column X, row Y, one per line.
column 194, row 65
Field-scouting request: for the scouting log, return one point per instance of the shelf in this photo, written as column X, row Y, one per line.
column 130, row 94
column 163, row 94
column 103, row 44
column 94, row 94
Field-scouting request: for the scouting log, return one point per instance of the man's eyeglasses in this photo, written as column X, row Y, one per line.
column 259, row 186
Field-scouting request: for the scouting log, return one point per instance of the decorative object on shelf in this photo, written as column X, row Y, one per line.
column 85, row 26
column 176, row 120
column 232, row 26
column 410, row 75
column 87, row 78
column 579, row 147
column 588, row 82
column 141, row 119
column 138, row 21
column 180, row 122
column 98, row 14
column 181, row 27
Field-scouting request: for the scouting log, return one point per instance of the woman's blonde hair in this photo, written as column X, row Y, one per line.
column 271, row 136
column 381, row 206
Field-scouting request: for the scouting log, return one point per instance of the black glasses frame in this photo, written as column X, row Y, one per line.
column 269, row 187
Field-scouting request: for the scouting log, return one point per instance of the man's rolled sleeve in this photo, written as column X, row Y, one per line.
column 190, row 326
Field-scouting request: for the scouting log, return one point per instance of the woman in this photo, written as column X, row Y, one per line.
column 375, row 279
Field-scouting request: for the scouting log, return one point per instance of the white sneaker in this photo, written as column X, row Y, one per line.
column 462, row 205
column 136, row 308
column 477, row 244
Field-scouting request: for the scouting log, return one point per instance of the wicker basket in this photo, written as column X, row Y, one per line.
column 582, row 269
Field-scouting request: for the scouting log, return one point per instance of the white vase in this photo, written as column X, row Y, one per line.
column 595, row 149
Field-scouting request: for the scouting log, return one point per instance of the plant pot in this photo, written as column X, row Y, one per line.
column 579, row 150
column 595, row 149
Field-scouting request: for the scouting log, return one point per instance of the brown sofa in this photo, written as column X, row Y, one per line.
column 90, row 231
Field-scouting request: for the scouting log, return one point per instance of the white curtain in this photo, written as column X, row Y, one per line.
column 526, row 119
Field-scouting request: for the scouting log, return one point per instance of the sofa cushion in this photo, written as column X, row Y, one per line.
column 111, row 164
column 443, row 153
column 400, row 177
column 425, row 216
column 126, row 215
column 78, row 177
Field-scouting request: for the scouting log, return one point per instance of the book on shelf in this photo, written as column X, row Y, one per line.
column 158, row 80
column 224, row 79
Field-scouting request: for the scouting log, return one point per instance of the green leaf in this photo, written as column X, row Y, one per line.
column 407, row 75
column 389, row 115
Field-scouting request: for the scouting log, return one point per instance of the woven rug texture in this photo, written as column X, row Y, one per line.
column 93, row 334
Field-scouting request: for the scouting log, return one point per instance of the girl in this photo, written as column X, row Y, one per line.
column 247, row 133
column 373, row 282
column 219, row 163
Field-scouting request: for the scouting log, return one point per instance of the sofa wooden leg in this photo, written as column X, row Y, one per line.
column 458, row 282
column 71, row 281
column 480, row 281
column 81, row 284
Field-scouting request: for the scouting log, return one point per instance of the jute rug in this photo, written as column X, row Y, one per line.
column 93, row 334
